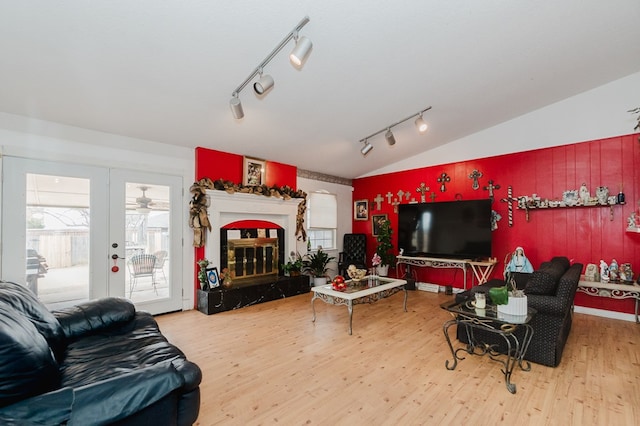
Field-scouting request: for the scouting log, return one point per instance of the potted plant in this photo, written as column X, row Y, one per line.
column 511, row 304
column 384, row 248
column 316, row 264
column 294, row 266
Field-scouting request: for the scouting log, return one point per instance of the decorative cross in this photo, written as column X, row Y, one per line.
column 432, row 196
column 490, row 188
column 395, row 205
column 378, row 200
column 407, row 195
column 422, row 189
column 389, row 195
column 510, row 200
column 400, row 194
column 443, row 179
column 475, row 175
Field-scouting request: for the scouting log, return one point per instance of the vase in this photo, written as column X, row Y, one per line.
column 319, row 281
column 383, row 270
column 516, row 307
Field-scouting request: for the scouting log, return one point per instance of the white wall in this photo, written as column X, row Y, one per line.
column 42, row 140
column 344, row 194
column 596, row 114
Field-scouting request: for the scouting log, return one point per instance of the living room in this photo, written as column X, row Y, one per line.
column 528, row 130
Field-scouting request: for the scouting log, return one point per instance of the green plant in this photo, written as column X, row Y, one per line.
column 316, row 263
column 384, row 249
column 202, row 274
column 293, row 265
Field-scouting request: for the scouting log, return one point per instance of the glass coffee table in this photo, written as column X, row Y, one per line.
column 357, row 292
column 489, row 320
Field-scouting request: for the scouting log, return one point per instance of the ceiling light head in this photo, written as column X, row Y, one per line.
column 300, row 53
column 236, row 108
column 421, row 124
column 366, row 148
column 391, row 140
column 263, row 85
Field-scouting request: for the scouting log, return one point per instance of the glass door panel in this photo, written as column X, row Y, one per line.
column 58, row 220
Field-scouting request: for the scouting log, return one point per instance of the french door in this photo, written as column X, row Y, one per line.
column 77, row 233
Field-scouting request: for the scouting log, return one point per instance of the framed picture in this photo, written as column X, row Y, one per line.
column 361, row 210
column 213, row 278
column 253, row 172
column 376, row 219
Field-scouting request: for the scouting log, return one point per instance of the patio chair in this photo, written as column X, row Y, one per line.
column 161, row 258
column 142, row 265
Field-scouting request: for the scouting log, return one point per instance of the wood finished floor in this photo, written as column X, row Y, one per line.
column 269, row 364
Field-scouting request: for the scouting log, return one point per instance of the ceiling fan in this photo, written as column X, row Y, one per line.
column 143, row 203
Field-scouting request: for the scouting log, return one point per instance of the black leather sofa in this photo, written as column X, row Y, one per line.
column 97, row 363
column 550, row 290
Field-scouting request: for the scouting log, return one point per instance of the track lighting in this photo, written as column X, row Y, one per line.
column 236, row 107
column 297, row 57
column 366, row 148
column 421, row 124
column 263, row 85
column 300, row 53
column 391, row 139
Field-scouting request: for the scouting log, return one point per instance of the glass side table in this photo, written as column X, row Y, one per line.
column 489, row 320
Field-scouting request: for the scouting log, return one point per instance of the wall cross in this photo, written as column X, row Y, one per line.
column 490, row 188
column 395, row 205
column 443, row 180
column 378, row 200
column 432, row 196
column 510, row 200
column 422, row 189
column 475, row 175
column 389, row 196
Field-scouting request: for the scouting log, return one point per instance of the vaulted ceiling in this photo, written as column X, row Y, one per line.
column 165, row 70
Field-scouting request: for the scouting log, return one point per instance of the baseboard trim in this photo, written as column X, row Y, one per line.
column 604, row 313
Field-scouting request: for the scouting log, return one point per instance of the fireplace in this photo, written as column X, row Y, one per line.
column 247, row 262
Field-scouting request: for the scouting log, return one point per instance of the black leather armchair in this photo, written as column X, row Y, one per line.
column 354, row 252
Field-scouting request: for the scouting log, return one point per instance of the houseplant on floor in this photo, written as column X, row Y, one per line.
column 384, row 248
column 316, row 264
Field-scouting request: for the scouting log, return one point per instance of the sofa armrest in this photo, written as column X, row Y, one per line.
column 51, row 408
column 94, row 316
column 107, row 401
column 549, row 305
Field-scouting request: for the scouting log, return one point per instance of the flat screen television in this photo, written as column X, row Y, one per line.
column 451, row 229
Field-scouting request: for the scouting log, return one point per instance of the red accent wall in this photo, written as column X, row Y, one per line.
column 584, row 235
column 224, row 165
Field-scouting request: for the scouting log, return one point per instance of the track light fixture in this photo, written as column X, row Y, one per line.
column 366, row 148
column 297, row 57
column 391, row 140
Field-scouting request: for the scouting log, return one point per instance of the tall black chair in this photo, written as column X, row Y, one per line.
column 354, row 252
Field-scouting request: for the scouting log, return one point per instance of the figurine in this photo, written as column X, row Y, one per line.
column 626, row 273
column 518, row 263
column 591, row 273
column 584, row 194
column 613, row 271
column 632, row 221
column 604, row 271
column 602, row 192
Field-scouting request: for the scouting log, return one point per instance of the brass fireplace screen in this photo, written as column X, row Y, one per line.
column 252, row 260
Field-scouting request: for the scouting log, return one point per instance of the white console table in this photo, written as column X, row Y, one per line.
column 612, row 290
column 481, row 269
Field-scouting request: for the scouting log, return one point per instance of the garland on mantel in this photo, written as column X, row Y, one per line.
column 199, row 216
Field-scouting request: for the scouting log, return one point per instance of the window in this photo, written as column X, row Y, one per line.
column 322, row 220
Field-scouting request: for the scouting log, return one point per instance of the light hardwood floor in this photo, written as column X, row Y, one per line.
column 269, row 364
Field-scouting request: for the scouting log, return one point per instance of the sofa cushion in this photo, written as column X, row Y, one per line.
column 27, row 364
column 20, row 298
column 95, row 316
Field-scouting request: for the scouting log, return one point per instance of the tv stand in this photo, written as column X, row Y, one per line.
column 481, row 269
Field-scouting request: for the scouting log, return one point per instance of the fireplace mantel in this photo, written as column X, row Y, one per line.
column 227, row 208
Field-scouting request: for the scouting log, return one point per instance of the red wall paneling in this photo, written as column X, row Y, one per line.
column 583, row 234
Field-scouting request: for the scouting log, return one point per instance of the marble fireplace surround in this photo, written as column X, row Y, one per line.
column 225, row 208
